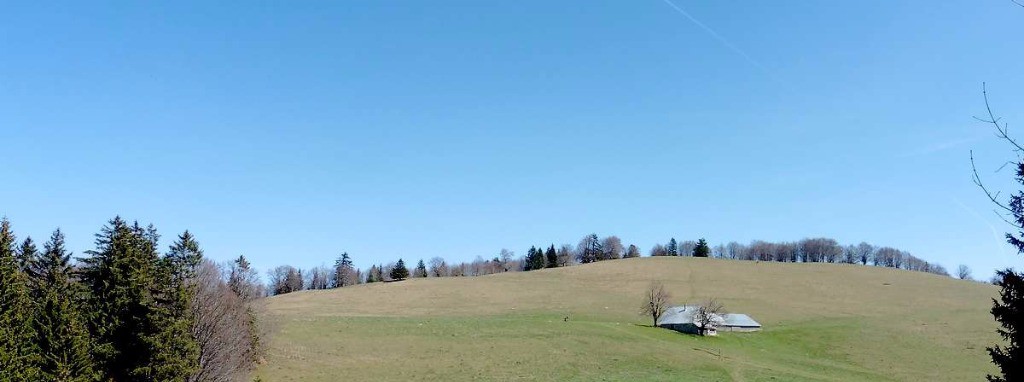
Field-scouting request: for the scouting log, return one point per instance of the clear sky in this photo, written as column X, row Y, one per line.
column 293, row 131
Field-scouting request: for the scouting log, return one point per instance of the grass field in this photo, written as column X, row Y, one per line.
column 822, row 322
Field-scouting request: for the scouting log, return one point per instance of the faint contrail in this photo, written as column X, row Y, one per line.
column 720, row 39
column 996, row 237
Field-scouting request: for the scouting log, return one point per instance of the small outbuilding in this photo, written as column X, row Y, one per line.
column 681, row 319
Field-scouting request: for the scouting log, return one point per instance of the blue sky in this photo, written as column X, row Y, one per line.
column 290, row 132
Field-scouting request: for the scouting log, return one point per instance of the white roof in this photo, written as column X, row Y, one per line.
column 683, row 314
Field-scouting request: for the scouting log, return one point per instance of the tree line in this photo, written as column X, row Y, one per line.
column 124, row 311
column 593, row 248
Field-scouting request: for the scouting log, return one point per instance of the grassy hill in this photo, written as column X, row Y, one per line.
column 822, row 322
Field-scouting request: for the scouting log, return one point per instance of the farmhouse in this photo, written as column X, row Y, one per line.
column 681, row 318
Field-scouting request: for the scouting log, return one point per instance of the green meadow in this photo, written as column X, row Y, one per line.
column 822, row 322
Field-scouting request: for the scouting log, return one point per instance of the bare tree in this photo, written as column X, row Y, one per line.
column 658, row 250
column 223, row 327
column 589, row 249
column 611, row 248
column 566, row 255
column 686, row 248
column 709, row 315
column 438, row 268
column 963, row 272
column 656, row 300
column 632, row 251
column 506, row 257
column 865, row 252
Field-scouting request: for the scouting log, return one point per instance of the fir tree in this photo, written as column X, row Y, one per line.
column 534, row 259
column 371, row 274
column 342, row 270
column 672, row 249
column 702, row 249
column 421, row 269
column 176, row 353
column 19, row 357
column 552, row 257
column 27, row 254
column 63, row 338
column 399, row 272
column 119, row 275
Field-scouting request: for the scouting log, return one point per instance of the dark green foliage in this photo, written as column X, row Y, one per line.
column 129, row 304
column 176, row 354
column 552, row 257
column 672, row 249
column 27, row 253
column 702, row 249
column 1007, row 310
column 343, row 271
column 19, row 357
column 63, row 338
column 421, row 269
column 534, row 259
column 399, row 272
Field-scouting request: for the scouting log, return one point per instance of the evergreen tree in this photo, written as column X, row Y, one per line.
column 63, row 338
column 399, row 272
column 27, row 254
column 243, row 281
column 421, row 269
column 343, row 271
column 1009, row 309
column 19, row 356
column 119, row 275
column 672, row 248
column 371, row 274
column 702, row 249
column 176, row 353
column 552, row 257
column 535, row 258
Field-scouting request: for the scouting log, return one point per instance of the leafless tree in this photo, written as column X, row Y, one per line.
column 223, row 327
column 589, row 249
column 658, row 250
column 865, row 252
column 565, row 255
column 632, row 251
column 437, row 267
column 718, row 251
column 656, row 300
column 709, row 315
column 686, row 248
column 611, row 248
column 963, row 272
column 506, row 257
column 734, row 250
column 319, row 278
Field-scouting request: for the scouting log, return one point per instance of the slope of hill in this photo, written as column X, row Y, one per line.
column 822, row 322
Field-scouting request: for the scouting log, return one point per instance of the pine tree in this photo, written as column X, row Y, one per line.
column 19, row 356
column 342, row 270
column 119, row 275
column 399, row 272
column 535, row 259
column 371, row 274
column 27, row 253
column 176, row 353
column 552, row 257
column 702, row 249
column 63, row 338
column 421, row 269
column 672, row 248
